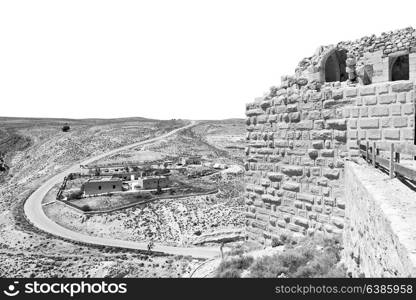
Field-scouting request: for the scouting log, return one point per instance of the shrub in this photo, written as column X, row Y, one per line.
column 313, row 257
column 267, row 267
column 284, row 239
column 232, row 273
column 234, row 266
column 75, row 195
column 86, row 207
column 237, row 250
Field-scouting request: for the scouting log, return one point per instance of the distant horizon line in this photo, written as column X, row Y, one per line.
column 117, row 118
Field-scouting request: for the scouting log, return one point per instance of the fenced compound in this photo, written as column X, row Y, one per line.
column 70, row 176
column 371, row 152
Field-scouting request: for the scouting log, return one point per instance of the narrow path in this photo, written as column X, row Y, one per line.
column 35, row 214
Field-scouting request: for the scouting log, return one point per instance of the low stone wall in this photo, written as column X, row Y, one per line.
column 379, row 234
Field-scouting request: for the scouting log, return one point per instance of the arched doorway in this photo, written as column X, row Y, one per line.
column 335, row 66
column 400, row 68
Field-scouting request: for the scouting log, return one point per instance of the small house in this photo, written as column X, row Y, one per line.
column 102, row 185
column 153, row 182
column 191, row 160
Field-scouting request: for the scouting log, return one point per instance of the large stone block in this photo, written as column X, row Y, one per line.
column 274, row 176
column 364, row 112
column 314, row 115
column 318, row 144
column 291, row 186
column 292, row 108
column 321, row 135
column 271, row 199
column 369, row 123
column 374, row 134
column 301, row 221
column 292, row 170
column 294, row 117
column 352, row 134
column 266, row 104
column 408, row 109
column 367, row 90
column 331, row 173
column 340, row 136
column 254, row 112
column 352, row 124
column 383, row 89
column 305, row 125
column 350, row 92
column 305, row 197
column 391, row 134
column 401, row 87
column 340, row 124
column 401, row 97
column 295, row 228
column 400, row 121
column 370, row 100
column 387, row 99
column 379, row 111
column 396, row 110
column 262, row 119
column 407, row 133
column 327, row 152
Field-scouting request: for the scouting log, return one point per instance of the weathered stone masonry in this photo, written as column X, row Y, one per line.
column 301, row 133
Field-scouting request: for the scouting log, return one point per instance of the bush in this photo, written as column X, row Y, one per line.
column 66, row 128
column 75, row 195
column 86, row 207
column 232, row 273
column 284, row 239
column 237, row 250
column 234, row 267
column 267, row 267
column 276, row 242
column 311, row 258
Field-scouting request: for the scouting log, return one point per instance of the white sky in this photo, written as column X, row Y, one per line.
column 167, row 59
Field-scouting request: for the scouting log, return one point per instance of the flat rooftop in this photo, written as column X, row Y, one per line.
column 104, row 179
column 153, row 177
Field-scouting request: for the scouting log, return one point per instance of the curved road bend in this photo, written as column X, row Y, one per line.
column 35, row 214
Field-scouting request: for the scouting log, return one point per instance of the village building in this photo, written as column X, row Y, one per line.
column 152, row 182
column 102, row 185
column 191, row 160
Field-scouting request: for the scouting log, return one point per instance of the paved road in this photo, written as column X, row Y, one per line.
column 36, row 215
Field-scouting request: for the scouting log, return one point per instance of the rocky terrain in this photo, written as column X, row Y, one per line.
column 34, row 149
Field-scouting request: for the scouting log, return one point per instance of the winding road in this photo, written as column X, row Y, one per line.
column 35, row 214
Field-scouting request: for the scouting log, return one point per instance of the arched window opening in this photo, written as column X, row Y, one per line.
column 400, row 68
column 335, row 66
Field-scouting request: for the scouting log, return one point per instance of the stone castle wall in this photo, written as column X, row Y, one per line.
column 298, row 141
column 301, row 134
